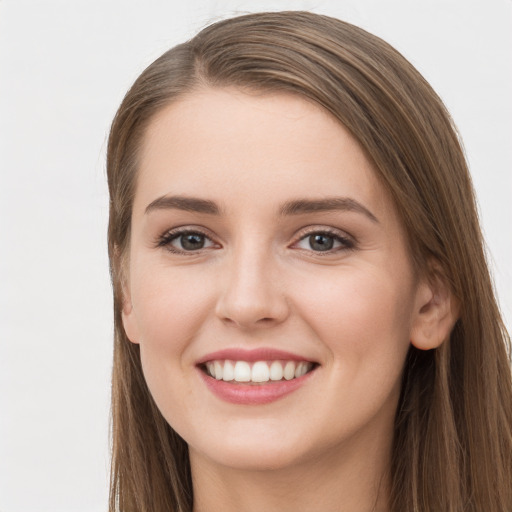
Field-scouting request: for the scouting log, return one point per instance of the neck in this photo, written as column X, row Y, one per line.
column 352, row 477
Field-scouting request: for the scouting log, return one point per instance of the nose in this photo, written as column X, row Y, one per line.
column 252, row 293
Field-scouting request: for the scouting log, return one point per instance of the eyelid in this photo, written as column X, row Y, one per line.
column 348, row 241
column 164, row 240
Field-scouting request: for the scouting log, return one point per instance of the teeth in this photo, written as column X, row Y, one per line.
column 242, row 372
column 289, row 370
column 219, row 370
column 276, row 371
column 260, row 371
column 300, row 370
column 229, row 371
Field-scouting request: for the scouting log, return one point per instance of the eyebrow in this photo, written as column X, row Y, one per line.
column 329, row 204
column 189, row 204
column 295, row 207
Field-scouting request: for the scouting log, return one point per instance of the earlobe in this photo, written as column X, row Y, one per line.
column 436, row 312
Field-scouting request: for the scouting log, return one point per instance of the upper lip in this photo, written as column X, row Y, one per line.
column 258, row 354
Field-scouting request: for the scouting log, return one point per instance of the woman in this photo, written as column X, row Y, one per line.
column 304, row 318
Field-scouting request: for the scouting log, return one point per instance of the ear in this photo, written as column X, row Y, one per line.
column 128, row 313
column 436, row 311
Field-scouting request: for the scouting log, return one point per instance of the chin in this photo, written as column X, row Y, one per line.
column 262, row 449
column 243, row 446
column 255, row 457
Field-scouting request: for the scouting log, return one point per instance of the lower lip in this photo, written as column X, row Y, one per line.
column 245, row 394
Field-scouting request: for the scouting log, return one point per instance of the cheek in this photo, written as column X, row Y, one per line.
column 171, row 311
column 362, row 318
column 359, row 312
column 170, row 307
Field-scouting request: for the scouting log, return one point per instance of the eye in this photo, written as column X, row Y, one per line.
column 185, row 241
column 324, row 241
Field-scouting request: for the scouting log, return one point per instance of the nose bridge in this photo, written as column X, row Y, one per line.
column 252, row 294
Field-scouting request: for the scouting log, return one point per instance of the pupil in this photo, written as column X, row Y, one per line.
column 321, row 242
column 192, row 242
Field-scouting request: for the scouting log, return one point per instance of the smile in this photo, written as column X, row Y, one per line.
column 254, row 377
column 258, row 372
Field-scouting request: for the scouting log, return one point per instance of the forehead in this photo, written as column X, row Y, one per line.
column 236, row 146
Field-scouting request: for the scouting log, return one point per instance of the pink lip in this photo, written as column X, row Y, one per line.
column 259, row 354
column 246, row 394
column 243, row 394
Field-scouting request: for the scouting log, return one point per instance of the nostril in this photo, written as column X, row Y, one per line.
column 248, row 322
column 251, row 305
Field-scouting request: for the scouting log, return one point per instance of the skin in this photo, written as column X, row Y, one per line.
column 257, row 282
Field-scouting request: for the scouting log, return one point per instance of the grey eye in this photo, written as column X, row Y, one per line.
column 324, row 242
column 191, row 241
column 321, row 242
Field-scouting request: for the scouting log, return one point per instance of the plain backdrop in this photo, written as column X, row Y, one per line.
column 64, row 68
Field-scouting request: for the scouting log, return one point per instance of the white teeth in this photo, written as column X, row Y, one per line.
column 300, row 370
column 229, row 371
column 242, row 371
column 289, row 370
column 219, row 370
column 259, row 372
column 276, row 371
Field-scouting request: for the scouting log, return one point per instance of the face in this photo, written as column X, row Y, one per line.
column 269, row 283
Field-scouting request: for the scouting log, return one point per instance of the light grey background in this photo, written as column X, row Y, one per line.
column 64, row 67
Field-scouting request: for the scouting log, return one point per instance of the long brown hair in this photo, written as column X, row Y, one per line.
column 453, row 431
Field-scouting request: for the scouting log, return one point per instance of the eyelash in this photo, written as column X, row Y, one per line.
column 167, row 238
column 346, row 243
